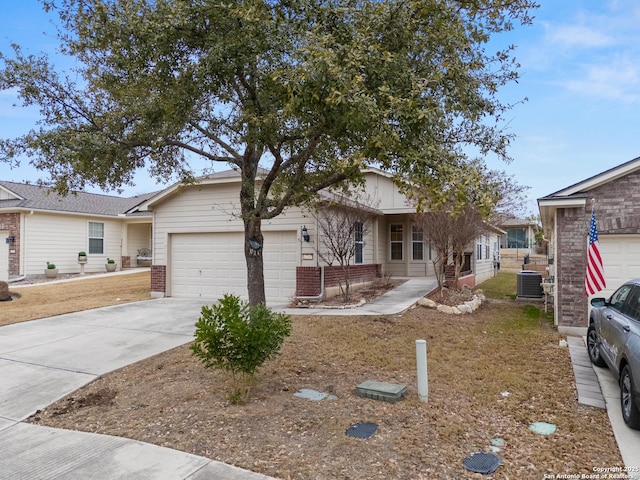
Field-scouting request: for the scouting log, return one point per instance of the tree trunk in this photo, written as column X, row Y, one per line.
column 253, row 239
column 253, row 242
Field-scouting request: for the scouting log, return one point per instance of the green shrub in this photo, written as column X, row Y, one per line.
column 237, row 338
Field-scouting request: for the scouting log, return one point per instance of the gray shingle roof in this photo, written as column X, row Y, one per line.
column 35, row 197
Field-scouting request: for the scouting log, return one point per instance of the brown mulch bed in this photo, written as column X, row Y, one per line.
column 491, row 374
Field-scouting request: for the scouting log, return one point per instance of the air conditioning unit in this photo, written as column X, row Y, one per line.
column 529, row 284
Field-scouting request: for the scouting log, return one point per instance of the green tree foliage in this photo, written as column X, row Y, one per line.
column 298, row 95
column 238, row 338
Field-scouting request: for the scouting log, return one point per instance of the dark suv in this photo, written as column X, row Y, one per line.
column 613, row 340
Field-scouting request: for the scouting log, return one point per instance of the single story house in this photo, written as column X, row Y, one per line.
column 518, row 233
column 38, row 226
column 198, row 243
column 195, row 239
column 566, row 214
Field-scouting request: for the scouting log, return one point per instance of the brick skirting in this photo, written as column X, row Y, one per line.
column 158, row 280
column 308, row 279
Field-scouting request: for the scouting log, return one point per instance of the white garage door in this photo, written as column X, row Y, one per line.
column 620, row 258
column 208, row 265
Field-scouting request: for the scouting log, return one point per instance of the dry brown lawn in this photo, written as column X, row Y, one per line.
column 474, row 361
column 47, row 300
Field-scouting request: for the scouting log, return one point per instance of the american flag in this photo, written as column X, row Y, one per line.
column 594, row 280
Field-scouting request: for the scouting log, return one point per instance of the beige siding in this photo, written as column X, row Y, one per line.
column 484, row 268
column 215, row 208
column 384, row 195
column 58, row 239
column 138, row 236
column 4, row 195
column 4, row 256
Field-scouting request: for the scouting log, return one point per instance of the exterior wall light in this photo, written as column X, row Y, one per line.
column 305, row 233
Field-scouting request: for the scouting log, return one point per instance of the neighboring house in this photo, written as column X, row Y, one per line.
column 37, row 227
column 565, row 214
column 518, row 233
column 198, row 243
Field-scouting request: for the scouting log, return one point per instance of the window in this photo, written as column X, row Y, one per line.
column 430, row 250
column 487, row 249
column 96, row 238
column 397, row 240
column 619, row 297
column 358, row 229
column 417, row 243
column 479, row 248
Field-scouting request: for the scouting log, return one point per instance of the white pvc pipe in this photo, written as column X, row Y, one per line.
column 421, row 361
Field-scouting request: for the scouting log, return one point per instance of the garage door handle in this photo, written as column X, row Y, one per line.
column 626, row 328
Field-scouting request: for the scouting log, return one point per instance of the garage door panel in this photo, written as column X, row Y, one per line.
column 208, row 265
column 620, row 258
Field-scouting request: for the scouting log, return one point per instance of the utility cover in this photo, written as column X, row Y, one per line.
column 311, row 394
column 388, row 392
column 543, row 428
column 361, row 430
column 480, row 462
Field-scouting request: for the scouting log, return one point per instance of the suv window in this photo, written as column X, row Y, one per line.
column 632, row 305
column 618, row 299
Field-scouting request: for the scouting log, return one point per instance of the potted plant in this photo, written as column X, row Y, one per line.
column 51, row 271
column 110, row 265
column 82, row 257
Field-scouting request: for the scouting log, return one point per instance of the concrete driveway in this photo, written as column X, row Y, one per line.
column 44, row 360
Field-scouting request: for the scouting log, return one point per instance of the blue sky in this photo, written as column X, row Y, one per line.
column 580, row 72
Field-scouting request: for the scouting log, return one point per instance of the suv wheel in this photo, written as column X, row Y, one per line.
column 594, row 348
column 630, row 413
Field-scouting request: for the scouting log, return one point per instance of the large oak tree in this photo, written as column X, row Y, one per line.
column 310, row 90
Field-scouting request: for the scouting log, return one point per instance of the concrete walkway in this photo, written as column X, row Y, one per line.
column 43, row 360
column 586, row 381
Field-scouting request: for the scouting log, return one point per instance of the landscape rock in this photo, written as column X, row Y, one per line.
column 427, row 302
column 464, row 308
column 456, row 310
column 445, row 309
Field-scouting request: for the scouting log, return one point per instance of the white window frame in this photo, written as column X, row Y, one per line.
column 417, row 240
column 479, row 248
column 93, row 235
column 487, row 247
column 358, row 234
column 396, row 242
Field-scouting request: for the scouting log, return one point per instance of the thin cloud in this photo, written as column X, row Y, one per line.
column 578, row 36
column 616, row 80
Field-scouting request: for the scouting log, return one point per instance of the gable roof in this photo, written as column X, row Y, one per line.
column 234, row 176
column 576, row 195
column 597, row 180
column 20, row 196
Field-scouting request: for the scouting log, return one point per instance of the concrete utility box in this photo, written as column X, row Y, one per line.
column 387, row 392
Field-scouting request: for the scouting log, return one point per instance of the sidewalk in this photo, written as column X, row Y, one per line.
column 41, row 361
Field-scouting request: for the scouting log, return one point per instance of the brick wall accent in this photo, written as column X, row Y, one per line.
column 450, row 274
column 125, row 261
column 617, row 205
column 308, row 279
column 159, row 279
column 11, row 223
column 571, row 266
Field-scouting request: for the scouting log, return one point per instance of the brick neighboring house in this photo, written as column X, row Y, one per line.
column 565, row 214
